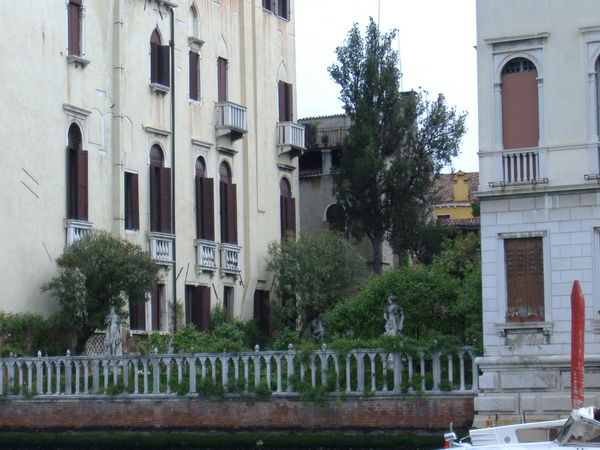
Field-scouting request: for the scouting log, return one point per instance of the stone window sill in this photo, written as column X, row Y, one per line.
column 505, row 328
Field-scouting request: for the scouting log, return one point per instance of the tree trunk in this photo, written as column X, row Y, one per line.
column 376, row 245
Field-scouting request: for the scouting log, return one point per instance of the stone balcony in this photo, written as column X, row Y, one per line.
column 206, row 255
column 76, row 229
column 161, row 247
column 521, row 167
column 290, row 138
column 230, row 259
column 231, row 119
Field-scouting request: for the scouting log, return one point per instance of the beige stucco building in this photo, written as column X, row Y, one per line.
column 538, row 89
column 167, row 123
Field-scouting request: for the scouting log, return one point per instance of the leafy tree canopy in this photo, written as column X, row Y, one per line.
column 312, row 274
column 396, row 144
column 95, row 273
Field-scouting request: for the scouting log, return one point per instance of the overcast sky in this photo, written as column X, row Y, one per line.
column 436, row 40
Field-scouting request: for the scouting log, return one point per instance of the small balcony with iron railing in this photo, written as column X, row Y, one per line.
column 230, row 259
column 206, row 256
column 161, row 247
column 521, row 168
column 290, row 138
column 231, row 119
column 76, row 229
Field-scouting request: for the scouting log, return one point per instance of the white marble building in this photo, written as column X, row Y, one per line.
column 167, row 123
column 539, row 90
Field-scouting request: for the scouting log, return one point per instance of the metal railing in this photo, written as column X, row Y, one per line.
column 357, row 372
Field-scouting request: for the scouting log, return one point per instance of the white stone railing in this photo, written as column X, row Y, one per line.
column 290, row 136
column 230, row 258
column 231, row 116
column 161, row 246
column 521, row 167
column 206, row 255
column 76, row 229
column 357, row 372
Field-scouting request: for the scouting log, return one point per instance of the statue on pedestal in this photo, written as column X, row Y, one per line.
column 394, row 317
column 112, row 338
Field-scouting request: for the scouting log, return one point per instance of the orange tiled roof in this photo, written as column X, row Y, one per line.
column 445, row 186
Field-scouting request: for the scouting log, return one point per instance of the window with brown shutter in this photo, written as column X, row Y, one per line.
column 520, row 115
column 198, row 306
column 287, row 210
column 137, row 314
column 221, row 80
column 160, row 193
column 77, row 176
column 159, row 61
column 156, row 302
column 285, row 102
column 524, row 264
column 74, row 27
column 205, row 209
column 227, row 205
column 132, row 208
column 261, row 310
column 193, row 74
column 228, row 301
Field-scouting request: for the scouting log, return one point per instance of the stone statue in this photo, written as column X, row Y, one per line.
column 318, row 328
column 394, row 317
column 112, row 338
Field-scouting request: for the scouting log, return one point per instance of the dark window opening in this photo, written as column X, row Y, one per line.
column 194, row 76
column 77, row 176
column 228, row 205
column 287, row 205
column 157, row 301
column 261, row 310
column 228, row 301
column 74, row 27
column 132, row 207
column 160, row 192
column 198, row 306
column 137, row 314
column 285, row 102
column 283, row 9
column 311, row 163
column 159, row 61
column 336, row 156
column 335, row 217
column 222, row 80
column 205, row 208
column 524, row 264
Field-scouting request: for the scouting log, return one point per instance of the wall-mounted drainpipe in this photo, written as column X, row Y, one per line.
column 172, row 45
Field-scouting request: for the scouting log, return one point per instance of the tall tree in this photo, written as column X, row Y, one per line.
column 396, row 144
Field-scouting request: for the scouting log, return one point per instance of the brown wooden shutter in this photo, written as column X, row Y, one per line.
column 281, row 94
column 232, row 214
column 154, row 63
column 165, row 200
column 137, row 314
column 72, row 183
column 74, row 25
column 154, row 198
column 156, row 294
column 164, row 67
column 208, row 209
column 290, row 211
column 288, row 102
column 520, row 120
column 199, row 211
column 193, row 75
column 524, row 279
column 200, row 307
column 222, row 79
column 134, row 210
column 223, row 211
column 82, row 185
column 282, row 215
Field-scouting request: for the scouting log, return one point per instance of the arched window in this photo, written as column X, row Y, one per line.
column 159, row 60
column 334, row 217
column 193, row 23
column 205, row 209
column 77, row 176
column 228, row 205
column 160, row 192
column 287, row 208
column 520, row 113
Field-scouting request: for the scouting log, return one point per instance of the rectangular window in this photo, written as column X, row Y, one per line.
column 222, row 80
column 74, row 27
column 524, row 264
column 194, row 60
column 198, row 306
column 205, row 208
column 77, row 182
column 132, row 208
column 157, row 301
column 137, row 314
column 285, row 102
column 283, row 10
column 228, row 301
column 160, row 199
column 261, row 310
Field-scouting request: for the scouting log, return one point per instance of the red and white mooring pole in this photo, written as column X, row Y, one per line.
column 577, row 345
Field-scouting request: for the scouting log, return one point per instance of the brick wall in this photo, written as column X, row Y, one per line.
column 236, row 415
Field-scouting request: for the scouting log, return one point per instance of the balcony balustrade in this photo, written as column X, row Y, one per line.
column 206, row 255
column 76, row 229
column 161, row 247
column 290, row 137
column 230, row 259
column 231, row 119
column 520, row 168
